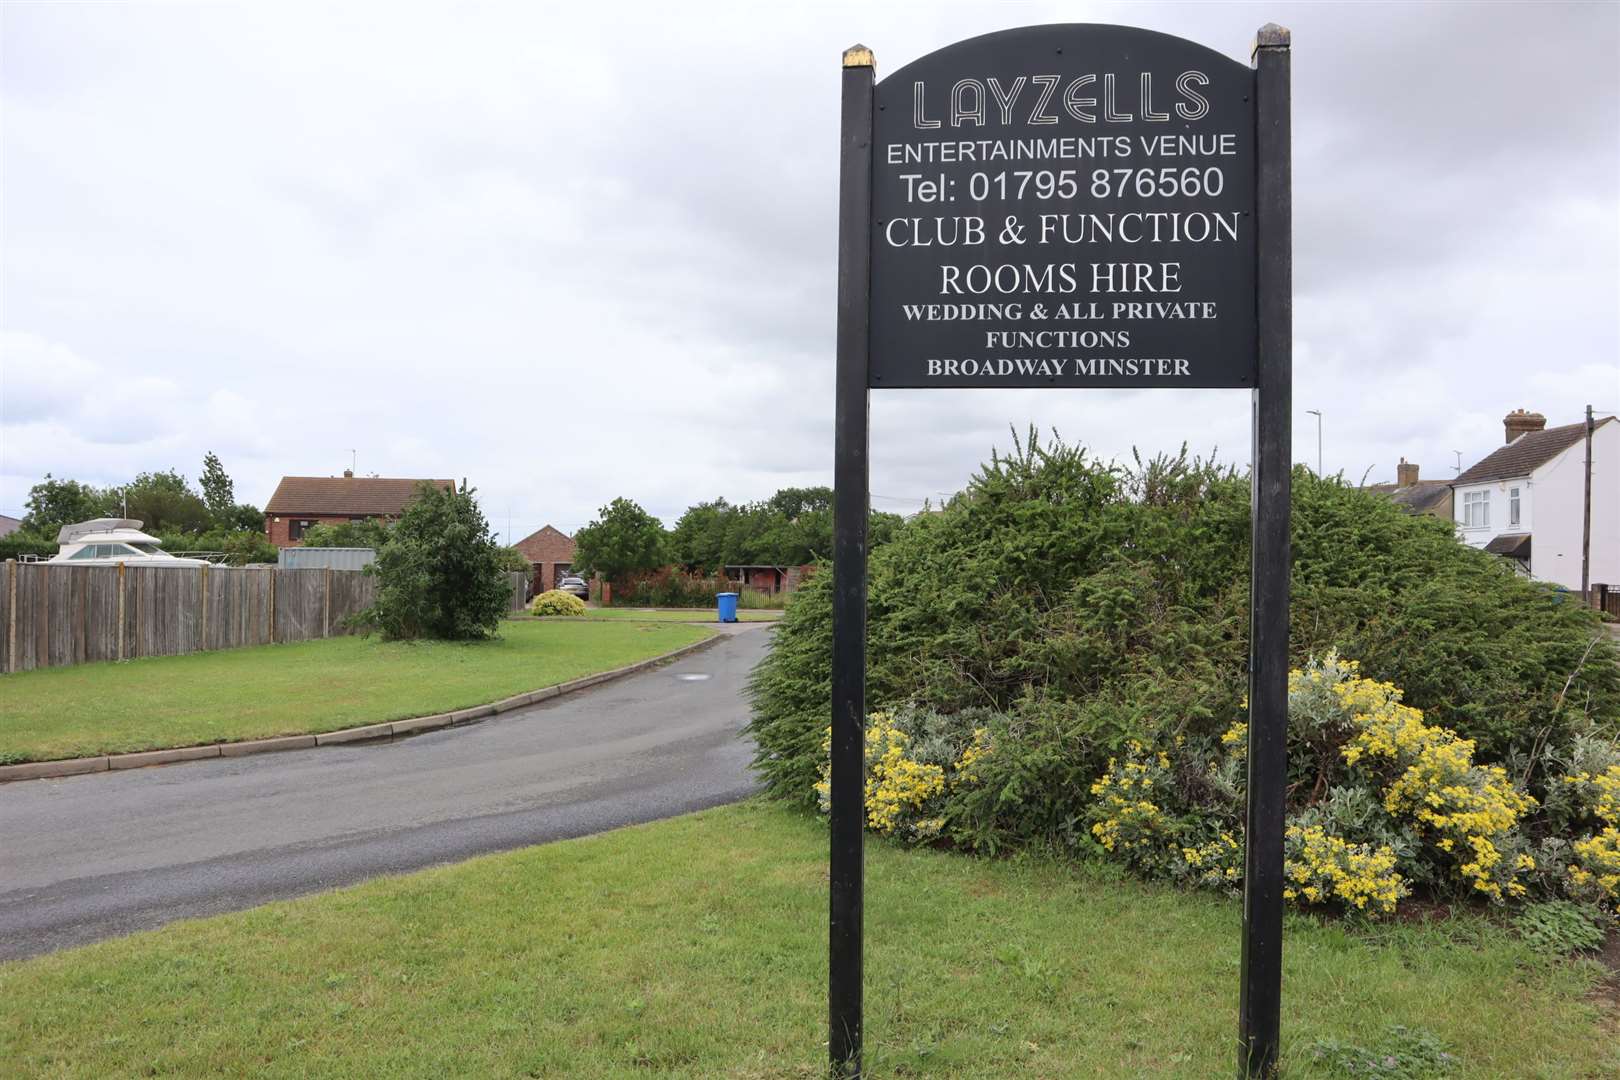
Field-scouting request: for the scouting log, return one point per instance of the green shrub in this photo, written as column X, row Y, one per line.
column 1084, row 605
column 668, row 587
column 1562, row 927
column 556, row 602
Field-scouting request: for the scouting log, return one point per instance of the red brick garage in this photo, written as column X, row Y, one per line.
column 551, row 553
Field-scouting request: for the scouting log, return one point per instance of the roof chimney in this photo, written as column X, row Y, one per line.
column 1405, row 474
column 348, row 474
column 1518, row 422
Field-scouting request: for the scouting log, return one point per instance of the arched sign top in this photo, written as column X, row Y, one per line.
column 1064, row 206
column 1072, row 45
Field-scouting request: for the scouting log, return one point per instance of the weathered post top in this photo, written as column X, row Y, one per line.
column 1271, row 36
column 861, row 56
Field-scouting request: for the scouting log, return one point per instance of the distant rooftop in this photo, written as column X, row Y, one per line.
column 372, row 496
column 1525, row 454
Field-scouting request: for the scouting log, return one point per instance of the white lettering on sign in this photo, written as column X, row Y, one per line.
column 1056, row 216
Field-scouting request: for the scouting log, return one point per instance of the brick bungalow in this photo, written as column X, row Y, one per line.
column 302, row 501
column 551, row 553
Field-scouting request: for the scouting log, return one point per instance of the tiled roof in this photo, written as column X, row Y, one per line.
column 1513, row 545
column 373, row 496
column 1525, row 454
column 1416, row 497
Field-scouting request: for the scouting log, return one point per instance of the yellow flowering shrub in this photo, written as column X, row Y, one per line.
column 1468, row 812
column 1217, row 863
column 1125, row 818
column 905, row 792
column 1321, row 868
column 1596, row 865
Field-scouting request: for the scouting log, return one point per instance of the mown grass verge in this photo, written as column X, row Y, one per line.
column 697, row 948
column 302, row 688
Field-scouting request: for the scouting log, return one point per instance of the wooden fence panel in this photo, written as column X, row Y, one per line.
column 300, row 600
column 55, row 615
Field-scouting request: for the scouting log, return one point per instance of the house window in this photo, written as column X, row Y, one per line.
column 1513, row 507
column 296, row 527
column 1476, row 509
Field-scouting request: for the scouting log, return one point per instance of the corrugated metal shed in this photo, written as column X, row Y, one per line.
column 325, row 558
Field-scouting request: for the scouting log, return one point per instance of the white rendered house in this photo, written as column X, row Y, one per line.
column 1524, row 501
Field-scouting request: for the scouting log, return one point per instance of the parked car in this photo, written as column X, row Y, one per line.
column 572, row 583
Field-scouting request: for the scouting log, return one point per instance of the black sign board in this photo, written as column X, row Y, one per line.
column 1064, row 206
column 1068, row 206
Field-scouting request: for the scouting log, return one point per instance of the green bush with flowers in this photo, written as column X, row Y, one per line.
column 556, row 602
column 1094, row 617
column 1381, row 801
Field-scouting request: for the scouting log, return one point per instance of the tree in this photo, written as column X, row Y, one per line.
column 165, row 502
column 53, row 503
column 439, row 572
column 624, row 539
column 698, row 541
column 218, row 492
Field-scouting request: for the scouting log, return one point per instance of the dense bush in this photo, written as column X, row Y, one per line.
column 668, row 587
column 1087, row 605
column 365, row 533
column 556, row 602
column 439, row 573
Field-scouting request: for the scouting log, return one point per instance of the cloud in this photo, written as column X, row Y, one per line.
column 576, row 253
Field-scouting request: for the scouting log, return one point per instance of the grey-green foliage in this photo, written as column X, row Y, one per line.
column 1562, row 927
column 1403, row 1054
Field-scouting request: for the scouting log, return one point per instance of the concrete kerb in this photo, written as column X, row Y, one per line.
column 40, row 770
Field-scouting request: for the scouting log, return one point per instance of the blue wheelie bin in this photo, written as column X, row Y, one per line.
column 728, row 606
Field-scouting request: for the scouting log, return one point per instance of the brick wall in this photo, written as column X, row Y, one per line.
column 551, row 553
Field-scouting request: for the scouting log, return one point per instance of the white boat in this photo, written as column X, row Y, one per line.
column 110, row 541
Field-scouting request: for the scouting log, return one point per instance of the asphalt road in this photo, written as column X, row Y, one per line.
column 88, row 857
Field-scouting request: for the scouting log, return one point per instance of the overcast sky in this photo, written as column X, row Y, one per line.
column 578, row 251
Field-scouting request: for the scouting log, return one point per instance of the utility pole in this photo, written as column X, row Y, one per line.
column 1457, row 468
column 1586, row 517
column 1318, row 414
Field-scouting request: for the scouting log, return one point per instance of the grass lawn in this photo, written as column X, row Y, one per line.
column 310, row 686
column 697, row 948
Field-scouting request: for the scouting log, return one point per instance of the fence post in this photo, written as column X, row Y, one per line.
column 326, row 606
column 272, row 605
column 120, row 611
column 11, row 616
column 202, row 635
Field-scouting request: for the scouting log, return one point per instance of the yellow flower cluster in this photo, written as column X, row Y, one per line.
column 1236, row 735
column 900, row 788
column 1468, row 810
column 1599, row 854
column 1600, row 863
column 977, row 750
column 1219, row 862
column 1601, row 790
column 894, row 782
column 1128, row 819
column 1327, row 868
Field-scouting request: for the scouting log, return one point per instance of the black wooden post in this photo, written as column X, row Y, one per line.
column 1260, row 1000
column 850, row 507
